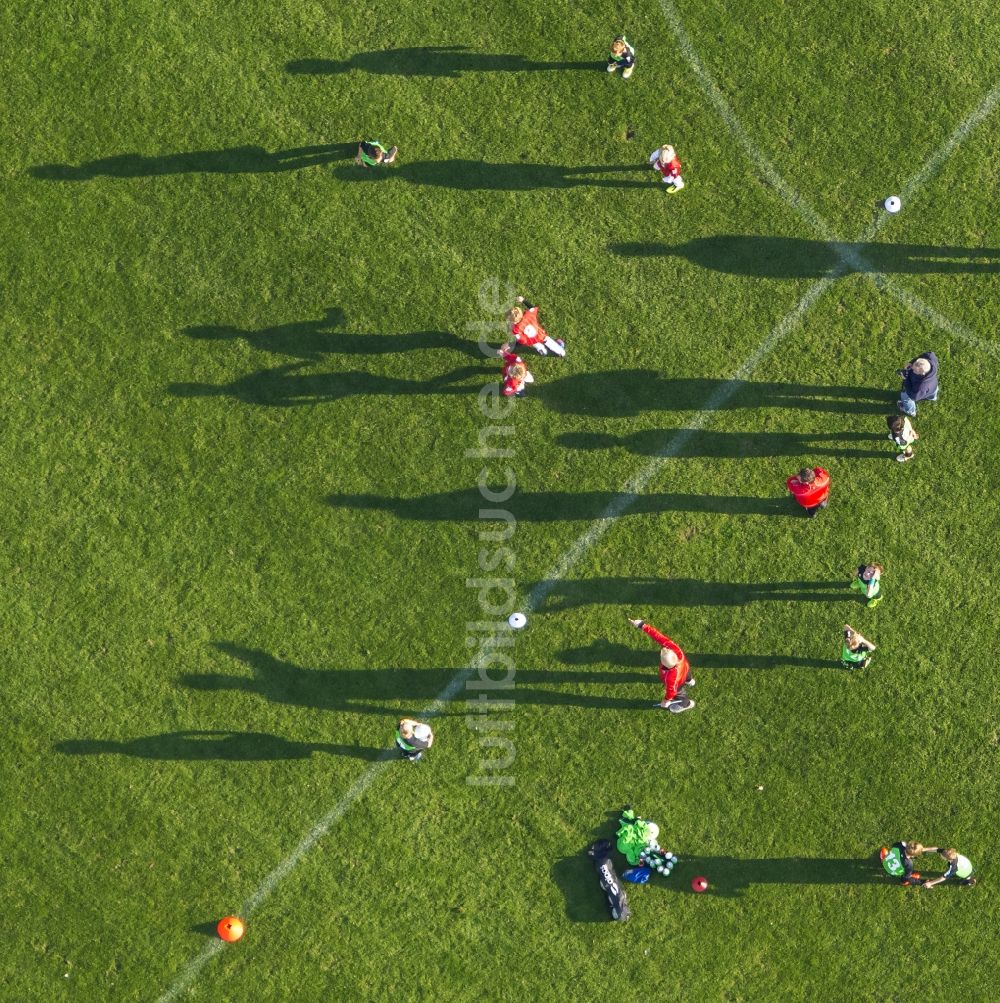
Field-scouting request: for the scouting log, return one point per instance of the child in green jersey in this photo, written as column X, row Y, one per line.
column 371, row 153
column 855, row 652
column 959, row 868
column 413, row 738
column 868, row 581
column 902, row 435
column 621, row 57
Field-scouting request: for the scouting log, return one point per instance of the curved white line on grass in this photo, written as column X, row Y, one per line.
column 618, row 506
column 848, row 254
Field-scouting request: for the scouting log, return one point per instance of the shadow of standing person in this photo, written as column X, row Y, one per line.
column 434, row 61
column 283, row 386
column 233, row 746
column 238, row 160
column 479, row 175
column 311, row 340
column 800, row 258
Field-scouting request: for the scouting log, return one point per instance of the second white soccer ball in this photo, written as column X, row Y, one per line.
column 517, row 620
column 893, row 204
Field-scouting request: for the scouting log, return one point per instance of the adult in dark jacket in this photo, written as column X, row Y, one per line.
column 920, row 382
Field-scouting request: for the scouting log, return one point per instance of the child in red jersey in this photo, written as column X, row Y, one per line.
column 675, row 673
column 515, row 373
column 664, row 159
column 524, row 326
column 810, row 488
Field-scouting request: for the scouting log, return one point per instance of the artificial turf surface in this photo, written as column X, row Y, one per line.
column 240, row 389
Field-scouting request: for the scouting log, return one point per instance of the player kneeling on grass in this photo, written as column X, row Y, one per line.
column 675, row 673
column 371, row 153
column 664, row 160
column 524, row 326
column 621, row 57
column 515, row 373
column 413, row 738
column 855, row 651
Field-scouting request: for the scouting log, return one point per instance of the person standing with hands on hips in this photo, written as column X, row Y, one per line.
column 675, row 672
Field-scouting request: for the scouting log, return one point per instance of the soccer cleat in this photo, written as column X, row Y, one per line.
column 627, row 72
column 562, row 345
column 690, row 681
column 679, row 706
column 391, row 155
column 872, row 603
column 612, row 67
column 903, row 457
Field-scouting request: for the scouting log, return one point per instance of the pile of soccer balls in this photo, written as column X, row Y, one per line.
column 661, row 861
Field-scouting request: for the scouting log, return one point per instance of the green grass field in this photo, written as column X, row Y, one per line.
column 241, row 407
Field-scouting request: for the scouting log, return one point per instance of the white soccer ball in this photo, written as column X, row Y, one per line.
column 517, row 620
column 893, row 204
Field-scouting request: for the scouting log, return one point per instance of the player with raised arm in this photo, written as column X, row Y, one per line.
column 675, row 672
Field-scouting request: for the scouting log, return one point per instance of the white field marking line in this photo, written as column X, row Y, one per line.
column 618, row 506
column 264, row 890
column 637, row 484
column 809, row 215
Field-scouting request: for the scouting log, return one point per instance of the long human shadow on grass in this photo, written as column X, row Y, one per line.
column 465, row 504
column 629, row 392
column 312, row 340
column 708, row 443
column 287, row 386
column 563, row 594
column 801, row 258
column 434, row 61
column 480, row 175
column 379, row 691
column 732, row 877
column 235, row 746
column 604, row 652
column 728, row 877
column 235, row 160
